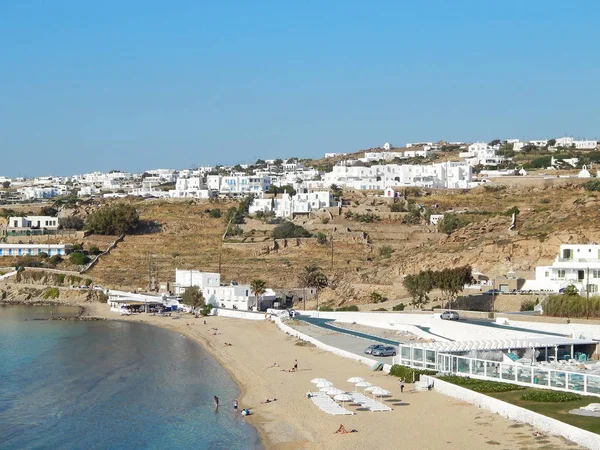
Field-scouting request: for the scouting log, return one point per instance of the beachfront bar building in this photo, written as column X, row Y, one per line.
column 551, row 362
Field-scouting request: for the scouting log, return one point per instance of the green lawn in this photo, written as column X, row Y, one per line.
column 559, row 411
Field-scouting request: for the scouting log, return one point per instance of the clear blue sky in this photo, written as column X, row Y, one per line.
column 133, row 85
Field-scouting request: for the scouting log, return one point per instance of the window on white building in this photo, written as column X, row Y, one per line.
column 595, row 273
column 592, row 288
column 561, row 273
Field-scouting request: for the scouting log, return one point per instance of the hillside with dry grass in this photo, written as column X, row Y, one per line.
column 366, row 255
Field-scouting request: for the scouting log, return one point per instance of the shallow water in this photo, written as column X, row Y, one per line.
column 110, row 385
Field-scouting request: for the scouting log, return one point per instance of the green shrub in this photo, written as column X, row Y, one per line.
column 114, row 219
column 101, row 297
column 95, row 251
column 87, row 282
column 60, row 278
column 321, row 238
column 380, row 309
column 77, row 247
column 408, row 373
column 386, row 251
column 375, row 297
column 397, row 207
column 215, row 213
column 79, row 259
column 325, row 308
column 43, row 255
column 481, row 386
column 592, row 185
column 399, row 307
column 544, row 201
column 290, row 230
column 550, row 397
column 571, row 305
column 348, row 308
column 451, row 222
column 529, row 305
column 56, row 259
column 51, row 293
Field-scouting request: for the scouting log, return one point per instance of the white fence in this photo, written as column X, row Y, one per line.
column 546, row 424
column 237, row 314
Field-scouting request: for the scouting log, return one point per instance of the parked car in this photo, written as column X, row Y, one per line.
column 493, row 292
column 449, row 315
column 370, row 348
column 385, row 351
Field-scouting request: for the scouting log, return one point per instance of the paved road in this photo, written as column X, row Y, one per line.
column 336, row 337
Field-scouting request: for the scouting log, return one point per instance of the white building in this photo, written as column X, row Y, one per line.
column 333, row 155
column 31, row 193
column 192, row 187
column 36, row 222
column 452, row 175
column 483, row 154
column 238, row 184
column 34, row 249
column 233, row 296
column 576, row 264
column 568, row 141
column 284, row 205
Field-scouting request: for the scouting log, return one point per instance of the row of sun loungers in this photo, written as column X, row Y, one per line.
column 369, row 403
column 328, row 405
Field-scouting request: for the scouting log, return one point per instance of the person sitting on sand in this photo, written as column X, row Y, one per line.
column 270, row 400
column 227, row 344
column 274, row 365
column 342, row 430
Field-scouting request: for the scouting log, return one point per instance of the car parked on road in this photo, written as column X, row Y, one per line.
column 449, row 315
column 370, row 348
column 385, row 351
column 493, row 292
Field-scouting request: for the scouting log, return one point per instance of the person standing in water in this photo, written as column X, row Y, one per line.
column 216, row 399
column 235, row 405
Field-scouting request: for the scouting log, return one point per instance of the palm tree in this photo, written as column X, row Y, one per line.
column 313, row 277
column 258, row 287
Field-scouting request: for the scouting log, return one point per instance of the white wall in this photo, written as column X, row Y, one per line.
column 584, row 438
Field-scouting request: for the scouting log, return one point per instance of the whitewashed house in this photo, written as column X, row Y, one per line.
column 192, row 187
column 576, row 264
column 33, row 222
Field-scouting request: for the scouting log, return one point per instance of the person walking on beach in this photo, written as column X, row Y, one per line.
column 402, row 385
column 235, row 405
column 295, row 368
column 216, row 399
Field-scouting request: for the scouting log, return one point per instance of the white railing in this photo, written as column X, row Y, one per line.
column 536, row 376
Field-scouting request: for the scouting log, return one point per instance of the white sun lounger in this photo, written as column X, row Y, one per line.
column 592, row 407
column 326, row 404
column 369, row 403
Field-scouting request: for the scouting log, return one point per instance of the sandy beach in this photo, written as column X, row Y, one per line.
column 419, row 420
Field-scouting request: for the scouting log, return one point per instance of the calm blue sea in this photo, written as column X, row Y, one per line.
column 110, row 385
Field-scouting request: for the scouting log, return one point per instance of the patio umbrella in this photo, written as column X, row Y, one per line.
column 355, row 380
column 370, row 388
column 343, row 398
column 318, row 380
column 380, row 392
column 324, row 383
column 334, row 391
column 363, row 384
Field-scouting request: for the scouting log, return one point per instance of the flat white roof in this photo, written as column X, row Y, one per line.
column 501, row 344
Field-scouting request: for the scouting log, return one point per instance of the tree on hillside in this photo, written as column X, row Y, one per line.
column 551, row 142
column 419, row 286
column 5, row 184
column 289, row 230
column 192, row 296
column 49, row 211
column 452, row 281
column 313, row 277
column 114, row 219
column 71, row 223
column 258, row 288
